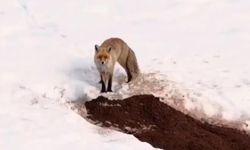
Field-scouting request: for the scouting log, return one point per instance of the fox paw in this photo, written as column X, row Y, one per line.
column 103, row 91
column 109, row 90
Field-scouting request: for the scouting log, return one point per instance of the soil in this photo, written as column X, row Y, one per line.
column 152, row 121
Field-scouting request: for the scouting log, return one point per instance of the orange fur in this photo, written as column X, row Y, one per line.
column 111, row 51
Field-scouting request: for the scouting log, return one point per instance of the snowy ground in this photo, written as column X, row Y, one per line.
column 200, row 48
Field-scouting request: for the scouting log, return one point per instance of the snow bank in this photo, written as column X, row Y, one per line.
column 196, row 49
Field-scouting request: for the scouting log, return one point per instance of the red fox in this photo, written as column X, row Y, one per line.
column 111, row 51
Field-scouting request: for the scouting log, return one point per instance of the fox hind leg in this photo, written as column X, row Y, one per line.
column 129, row 75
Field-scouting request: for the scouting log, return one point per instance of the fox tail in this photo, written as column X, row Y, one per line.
column 132, row 67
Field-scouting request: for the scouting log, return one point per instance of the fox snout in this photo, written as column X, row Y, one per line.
column 103, row 62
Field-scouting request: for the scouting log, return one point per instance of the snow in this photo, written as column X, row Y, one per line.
column 196, row 48
column 54, row 127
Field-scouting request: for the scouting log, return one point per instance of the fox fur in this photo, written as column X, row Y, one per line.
column 107, row 54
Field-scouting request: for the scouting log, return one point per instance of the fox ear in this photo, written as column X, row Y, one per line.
column 109, row 49
column 96, row 48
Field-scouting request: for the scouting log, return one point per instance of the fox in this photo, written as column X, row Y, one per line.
column 107, row 54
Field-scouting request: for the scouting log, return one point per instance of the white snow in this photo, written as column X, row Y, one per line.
column 196, row 48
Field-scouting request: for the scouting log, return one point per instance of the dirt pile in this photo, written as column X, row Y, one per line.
column 154, row 122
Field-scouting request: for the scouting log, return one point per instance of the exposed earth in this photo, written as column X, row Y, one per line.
column 153, row 121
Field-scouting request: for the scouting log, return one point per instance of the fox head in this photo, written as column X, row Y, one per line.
column 102, row 55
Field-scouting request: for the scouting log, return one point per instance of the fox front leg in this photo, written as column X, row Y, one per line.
column 110, row 84
column 103, row 85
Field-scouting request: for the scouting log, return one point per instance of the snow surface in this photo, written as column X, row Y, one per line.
column 196, row 48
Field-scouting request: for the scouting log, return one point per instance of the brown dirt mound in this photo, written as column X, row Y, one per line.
column 154, row 122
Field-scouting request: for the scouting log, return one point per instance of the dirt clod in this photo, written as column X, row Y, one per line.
column 154, row 122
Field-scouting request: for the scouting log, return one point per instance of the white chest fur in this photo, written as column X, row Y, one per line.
column 104, row 68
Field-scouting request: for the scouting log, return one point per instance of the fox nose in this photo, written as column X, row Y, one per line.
column 102, row 62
